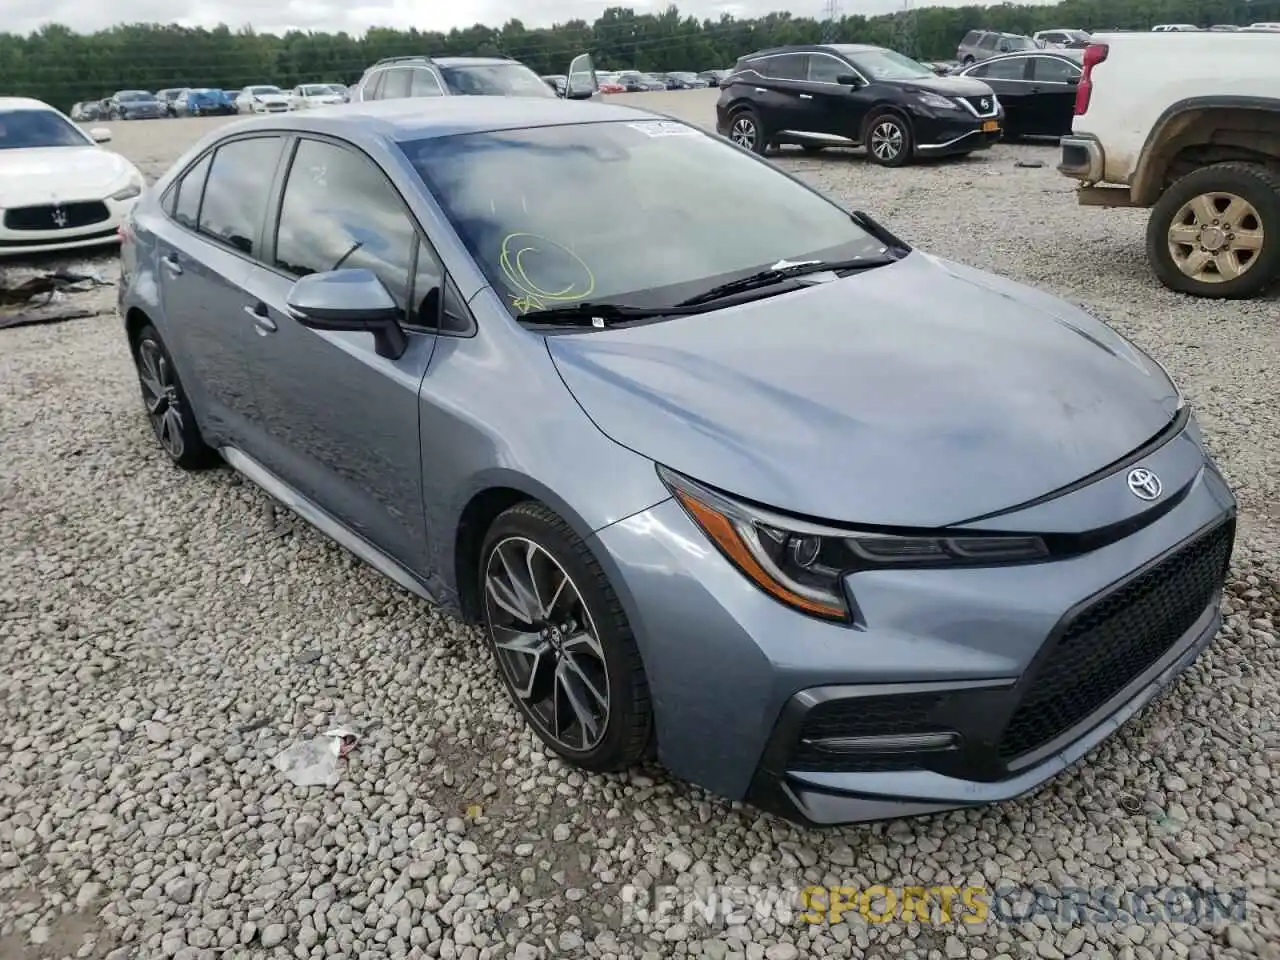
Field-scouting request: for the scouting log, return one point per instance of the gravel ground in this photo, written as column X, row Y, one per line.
column 164, row 635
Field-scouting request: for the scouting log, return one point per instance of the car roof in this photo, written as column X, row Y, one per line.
column 446, row 61
column 9, row 104
column 842, row 48
column 419, row 118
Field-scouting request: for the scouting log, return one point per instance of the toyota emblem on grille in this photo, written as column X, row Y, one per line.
column 986, row 104
column 1144, row 484
column 59, row 216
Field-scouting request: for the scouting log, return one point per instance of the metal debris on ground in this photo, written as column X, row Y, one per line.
column 44, row 298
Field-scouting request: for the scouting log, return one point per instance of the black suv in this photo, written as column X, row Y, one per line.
column 398, row 77
column 845, row 95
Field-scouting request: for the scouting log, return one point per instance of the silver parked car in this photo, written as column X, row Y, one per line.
column 981, row 44
column 831, row 524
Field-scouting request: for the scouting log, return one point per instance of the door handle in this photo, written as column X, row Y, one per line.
column 761, row 90
column 806, row 96
column 172, row 263
column 263, row 323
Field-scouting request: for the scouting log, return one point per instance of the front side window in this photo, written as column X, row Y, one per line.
column 339, row 211
column 186, row 209
column 788, row 66
column 236, row 191
column 20, row 129
column 545, row 211
column 988, row 42
column 824, row 69
column 1053, row 70
column 496, row 80
column 889, row 65
column 424, row 84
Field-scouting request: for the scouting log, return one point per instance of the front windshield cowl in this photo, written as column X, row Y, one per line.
column 527, row 204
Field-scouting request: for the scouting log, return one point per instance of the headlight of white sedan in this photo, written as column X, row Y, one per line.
column 133, row 189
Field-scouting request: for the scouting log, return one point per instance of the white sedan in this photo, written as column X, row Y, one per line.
column 58, row 188
column 263, row 98
column 309, row 95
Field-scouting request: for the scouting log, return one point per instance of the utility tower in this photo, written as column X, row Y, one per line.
column 905, row 39
column 831, row 14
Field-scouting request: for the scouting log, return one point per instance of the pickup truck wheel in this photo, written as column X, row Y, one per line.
column 1216, row 232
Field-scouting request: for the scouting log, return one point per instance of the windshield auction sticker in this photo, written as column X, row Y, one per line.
column 663, row 128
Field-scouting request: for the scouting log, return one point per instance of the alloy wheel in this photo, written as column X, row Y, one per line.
column 743, row 132
column 1215, row 237
column 546, row 643
column 160, row 394
column 887, row 140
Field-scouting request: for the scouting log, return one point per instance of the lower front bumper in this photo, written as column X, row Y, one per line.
column 832, row 799
column 976, row 139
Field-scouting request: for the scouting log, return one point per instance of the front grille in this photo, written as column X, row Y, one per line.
column 863, row 717
column 63, row 216
column 1110, row 643
column 976, row 103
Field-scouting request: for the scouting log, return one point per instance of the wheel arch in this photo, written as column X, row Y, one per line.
column 880, row 109
column 1198, row 131
column 492, row 495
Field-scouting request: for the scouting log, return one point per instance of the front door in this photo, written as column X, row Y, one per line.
column 339, row 423
column 837, row 109
column 205, row 252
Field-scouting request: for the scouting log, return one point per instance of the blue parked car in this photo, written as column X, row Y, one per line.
column 208, row 102
column 828, row 523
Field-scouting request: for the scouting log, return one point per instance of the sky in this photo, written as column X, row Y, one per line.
column 85, row 16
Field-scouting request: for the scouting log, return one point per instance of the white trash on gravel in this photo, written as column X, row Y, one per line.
column 314, row 763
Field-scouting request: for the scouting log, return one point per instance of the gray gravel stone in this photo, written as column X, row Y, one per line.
column 166, row 635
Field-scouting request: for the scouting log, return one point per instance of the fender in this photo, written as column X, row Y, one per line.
column 1145, row 186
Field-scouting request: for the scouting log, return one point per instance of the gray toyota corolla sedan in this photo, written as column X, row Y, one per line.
column 723, row 470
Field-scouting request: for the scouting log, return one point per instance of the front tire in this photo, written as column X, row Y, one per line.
column 746, row 131
column 1215, row 232
column 888, row 139
column 561, row 641
column 168, row 409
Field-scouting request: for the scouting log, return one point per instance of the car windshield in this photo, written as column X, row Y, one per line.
column 259, row 91
column 38, row 128
column 206, row 92
column 1079, row 35
column 544, row 211
column 888, row 65
column 317, row 91
column 133, row 96
column 496, row 80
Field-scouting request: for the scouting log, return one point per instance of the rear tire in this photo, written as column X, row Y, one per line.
column 888, row 140
column 168, row 409
column 1215, row 232
column 747, row 132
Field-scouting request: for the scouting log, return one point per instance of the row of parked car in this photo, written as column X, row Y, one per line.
column 207, row 101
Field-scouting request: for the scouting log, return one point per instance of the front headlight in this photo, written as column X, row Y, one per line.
column 134, row 189
column 803, row 565
column 937, row 101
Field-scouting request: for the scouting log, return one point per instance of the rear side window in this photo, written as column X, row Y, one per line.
column 971, row 38
column 186, row 208
column 789, row 66
column 424, row 84
column 236, row 191
column 1009, row 69
column 369, row 89
column 396, row 84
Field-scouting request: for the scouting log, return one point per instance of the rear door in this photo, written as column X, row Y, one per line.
column 396, row 84
column 206, row 251
column 786, row 103
column 1007, row 76
column 1053, row 95
column 339, row 423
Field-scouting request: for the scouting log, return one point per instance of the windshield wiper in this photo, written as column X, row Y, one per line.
column 592, row 314
column 782, row 271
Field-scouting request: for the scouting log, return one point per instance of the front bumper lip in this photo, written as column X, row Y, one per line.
column 831, row 799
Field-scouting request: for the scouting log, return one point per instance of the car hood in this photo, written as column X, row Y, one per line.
column 949, row 86
column 271, row 97
column 919, row 394
column 42, row 175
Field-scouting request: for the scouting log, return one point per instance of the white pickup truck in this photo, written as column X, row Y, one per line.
column 1187, row 124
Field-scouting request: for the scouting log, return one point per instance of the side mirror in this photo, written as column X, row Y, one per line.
column 581, row 83
column 1073, row 81
column 100, row 134
column 848, row 80
column 352, row 299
